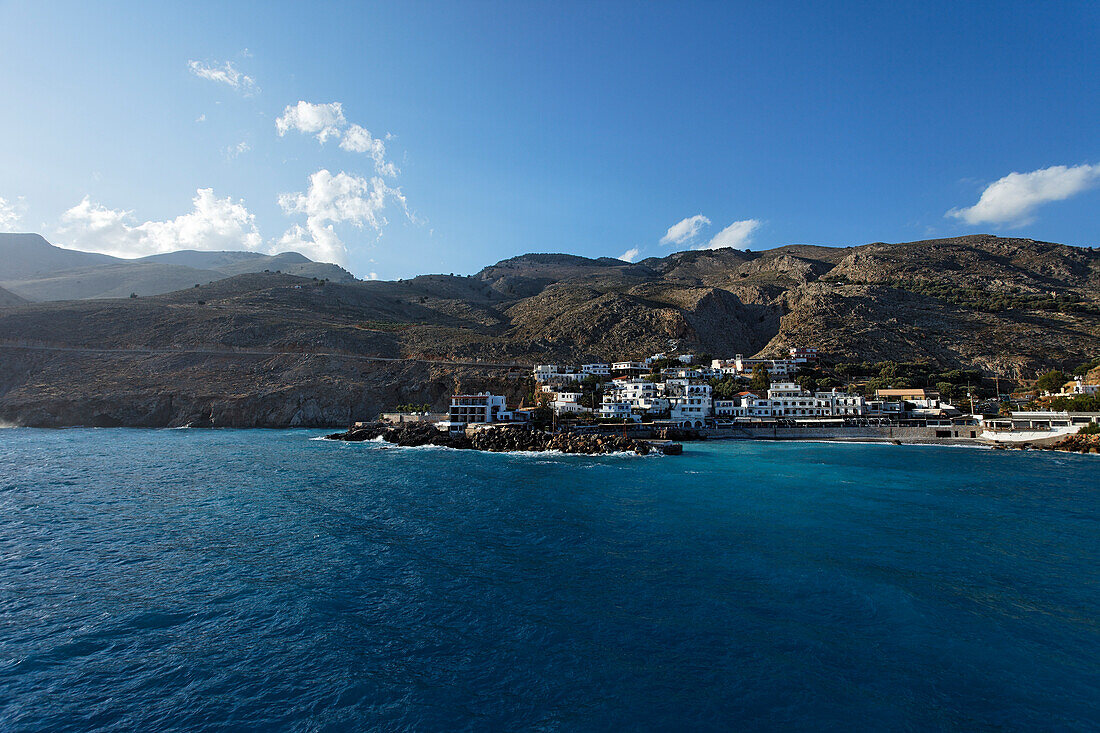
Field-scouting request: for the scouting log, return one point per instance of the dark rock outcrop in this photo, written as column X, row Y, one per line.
column 497, row 439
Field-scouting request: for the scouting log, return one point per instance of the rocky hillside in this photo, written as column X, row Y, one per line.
column 272, row 349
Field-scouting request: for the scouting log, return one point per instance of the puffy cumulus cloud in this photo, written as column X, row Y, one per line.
column 685, row 230
column 212, row 224
column 322, row 120
column 359, row 140
column 630, row 255
column 11, row 213
column 327, row 121
column 225, row 74
column 334, row 199
column 736, row 235
column 1014, row 198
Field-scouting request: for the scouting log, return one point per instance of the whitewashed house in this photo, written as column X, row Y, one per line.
column 627, row 368
column 555, row 373
column 689, row 402
column 596, row 370
column 609, row 409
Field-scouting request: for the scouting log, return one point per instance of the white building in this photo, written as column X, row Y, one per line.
column 803, row 355
column 788, row 400
column 617, row 411
column 467, row 409
column 686, row 358
column 565, row 396
column 642, row 395
column 596, row 370
column 555, row 373
column 659, row 356
column 838, row 404
column 1078, row 386
column 569, row 407
column 683, row 372
column 689, row 402
column 739, row 406
column 740, row 366
column 629, row 367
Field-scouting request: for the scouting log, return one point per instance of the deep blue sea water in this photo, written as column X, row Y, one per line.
column 212, row 580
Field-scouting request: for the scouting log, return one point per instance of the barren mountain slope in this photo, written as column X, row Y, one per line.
column 1008, row 306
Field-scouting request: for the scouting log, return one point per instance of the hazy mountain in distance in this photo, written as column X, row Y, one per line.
column 36, row 270
column 9, row 298
column 25, row 256
column 203, row 260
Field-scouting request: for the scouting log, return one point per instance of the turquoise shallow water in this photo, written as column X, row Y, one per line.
column 211, row 580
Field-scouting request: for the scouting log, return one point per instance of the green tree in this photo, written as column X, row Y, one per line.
column 761, row 379
column 1052, row 381
column 724, row 388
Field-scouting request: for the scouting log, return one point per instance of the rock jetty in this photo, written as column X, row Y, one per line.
column 497, row 439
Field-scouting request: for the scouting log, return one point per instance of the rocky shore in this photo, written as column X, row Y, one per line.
column 496, row 439
column 1079, row 443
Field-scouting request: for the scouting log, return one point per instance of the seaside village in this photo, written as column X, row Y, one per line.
column 679, row 393
column 754, row 398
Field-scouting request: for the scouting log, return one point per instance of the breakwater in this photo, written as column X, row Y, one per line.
column 500, row 438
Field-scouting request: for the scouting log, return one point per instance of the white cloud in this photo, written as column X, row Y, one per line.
column 333, row 199
column 736, row 235
column 322, row 120
column 630, row 255
column 327, row 121
column 359, row 140
column 226, row 74
column 11, row 213
column 201, row 118
column 1014, row 198
column 373, row 276
column 685, row 230
column 213, row 224
column 239, row 149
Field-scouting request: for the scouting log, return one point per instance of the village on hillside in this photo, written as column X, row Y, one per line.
column 782, row 397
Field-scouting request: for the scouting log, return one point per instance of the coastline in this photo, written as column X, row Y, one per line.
column 792, row 435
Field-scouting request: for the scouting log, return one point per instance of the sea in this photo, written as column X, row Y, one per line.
column 210, row 580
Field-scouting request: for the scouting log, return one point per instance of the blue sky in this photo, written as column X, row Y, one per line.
column 598, row 129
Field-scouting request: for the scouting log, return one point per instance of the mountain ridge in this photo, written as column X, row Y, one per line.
column 36, row 270
column 1008, row 307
